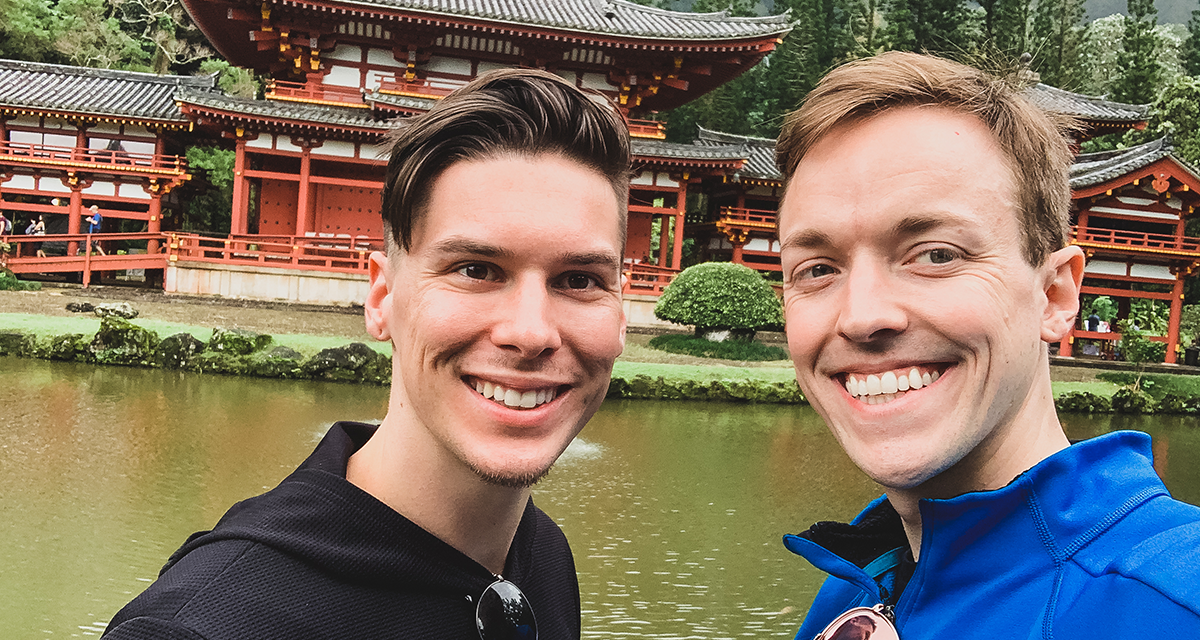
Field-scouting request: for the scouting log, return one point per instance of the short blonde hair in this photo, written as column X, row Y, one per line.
column 1034, row 141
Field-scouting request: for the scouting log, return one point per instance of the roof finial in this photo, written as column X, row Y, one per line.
column 610, row 11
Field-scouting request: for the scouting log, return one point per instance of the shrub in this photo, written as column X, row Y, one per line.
column 10, row 282
column 1174, row 403
column 1132, row 400
column 1082, row 402
column 730, row 350
column 721, row 296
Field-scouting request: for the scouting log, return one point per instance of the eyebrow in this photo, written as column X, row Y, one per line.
column 907, row 227
column 466, row 246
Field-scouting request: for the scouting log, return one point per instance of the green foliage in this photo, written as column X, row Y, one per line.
column 211, row 209
column 27, row 30
column 1056, row 40
column 1175, row 112
column 728, row 350
column 1191, row 46
column 1137, row 62
column 1189, row 325
column 1082, row 402
column 234, row 81
column 642, row 386
column 720, row 295
column 1177, row 404
column 935, row 26
column 10, row 282
column 1132, row 400
column 88, row 33
column 1136, row 347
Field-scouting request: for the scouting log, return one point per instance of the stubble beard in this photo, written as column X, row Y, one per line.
column 511, row 480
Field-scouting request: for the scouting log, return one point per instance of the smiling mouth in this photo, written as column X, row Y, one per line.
column 514, row 398
column 882, row 388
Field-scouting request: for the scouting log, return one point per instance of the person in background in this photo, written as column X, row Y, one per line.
column 926, row 267
column 94, row 221
column 500, row 292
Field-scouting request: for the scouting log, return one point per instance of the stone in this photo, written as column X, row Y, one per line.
column 219, row 362
column 119, row 341
column 280, row 362
column 119, row 309
column 72, row 347
column 238, row 342
column 15, row 343
column 175, row 351
column 343, row 364
column 81, row 307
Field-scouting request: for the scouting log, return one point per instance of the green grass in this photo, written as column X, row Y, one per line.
column 89, row 324
column 728, row 350
column 1156, row 384
column 702, row 373
column 1098, row 387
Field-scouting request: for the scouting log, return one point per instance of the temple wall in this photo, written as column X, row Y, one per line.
column 264, row 283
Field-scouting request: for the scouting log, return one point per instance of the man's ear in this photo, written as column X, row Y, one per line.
column 378, row 305
column 1064, row 278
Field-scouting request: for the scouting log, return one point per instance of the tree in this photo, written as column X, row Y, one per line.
column 165, row 28
column 936, row 26
column 1006, row 26
column 722, row 300
column 1056, row 38
column 26, row 30
column 211, row 209
column 89, row 35
column 1175, row 113
column 1137, row 63
column 1191, row 47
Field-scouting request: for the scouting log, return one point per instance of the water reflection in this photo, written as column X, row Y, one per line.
column 674, row 510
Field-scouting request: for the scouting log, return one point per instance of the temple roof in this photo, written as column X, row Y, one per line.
column 644, row 148
column 296, row 113
column 94, row 92
column 1096, row 168
column 603, row 17
column 1085, row 107
column 759, row 152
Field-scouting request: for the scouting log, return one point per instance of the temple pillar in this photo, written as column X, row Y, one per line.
column 1176, row 314
column 304, row 204
column 664, row 239
column 154, row 224
column 239, row 222
column 680, row 215
column 737, row 253
column 74, row 213
column 1064, row 345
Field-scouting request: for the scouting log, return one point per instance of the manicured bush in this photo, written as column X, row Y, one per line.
column 1132, row 400
column 1082, row 402
column 717, row 297
column 644, row 387
column 1173, row 403
column 10, row 282
column 728, row 350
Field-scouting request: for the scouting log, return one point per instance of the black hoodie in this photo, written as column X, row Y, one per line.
column 317, row 557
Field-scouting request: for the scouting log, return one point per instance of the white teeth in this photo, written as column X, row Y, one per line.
column 889, row 385
column 888, row 382
column 512, row 397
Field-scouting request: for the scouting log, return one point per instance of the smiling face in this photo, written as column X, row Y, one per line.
column 915, row 324
column 505, row 315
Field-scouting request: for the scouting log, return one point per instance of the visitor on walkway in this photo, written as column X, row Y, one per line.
column 5, row 225
column 37, row 227
column 94, row 222
column 926, row 267
column 500, row 292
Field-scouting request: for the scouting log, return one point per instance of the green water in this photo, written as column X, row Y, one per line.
column 674, row 510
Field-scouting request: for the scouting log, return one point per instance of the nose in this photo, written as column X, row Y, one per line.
column 871, row 308
column 526, row 324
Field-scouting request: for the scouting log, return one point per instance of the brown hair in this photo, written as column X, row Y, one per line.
column 1034, row 141
column 509, row 111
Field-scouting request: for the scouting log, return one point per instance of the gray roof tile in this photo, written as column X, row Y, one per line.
column 95, row 92
column 602, row 17
column 759, row 152
column 1085, row 107
column 1096, row 168
column 298, row 112
column 650, row 148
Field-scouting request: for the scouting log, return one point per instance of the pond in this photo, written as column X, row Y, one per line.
column 674, row 510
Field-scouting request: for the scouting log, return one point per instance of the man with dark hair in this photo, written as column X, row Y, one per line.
column 926, row 267
column 504, row 210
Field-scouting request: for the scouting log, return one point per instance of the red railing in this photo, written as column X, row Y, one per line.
column 1155, row 242
column 414, row 88
column 94, row 159
column 315, row 93
column 647, row 279
column 755, row 217
column 67, row 253
column 345, row 255
column 647, row 129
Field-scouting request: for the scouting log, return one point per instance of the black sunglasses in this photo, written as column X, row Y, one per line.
column 503, row 613
column 862, row 623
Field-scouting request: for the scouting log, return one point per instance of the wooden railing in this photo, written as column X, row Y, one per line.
column 315, row 93
column 68, row 253
column 647, row 279
column 647, row 129
column 415, row 88
column 755, row 217
column 1154, row 242
column 344, row 255
column 93, row 159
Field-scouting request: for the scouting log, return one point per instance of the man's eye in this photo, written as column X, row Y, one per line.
column 815, row 271
column 578, row 281
column 476, row 272
column 941, row 255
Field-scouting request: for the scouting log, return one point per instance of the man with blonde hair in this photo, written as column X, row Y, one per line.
column 926, row 267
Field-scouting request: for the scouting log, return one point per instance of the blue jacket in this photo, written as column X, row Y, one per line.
column 1087, row 544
